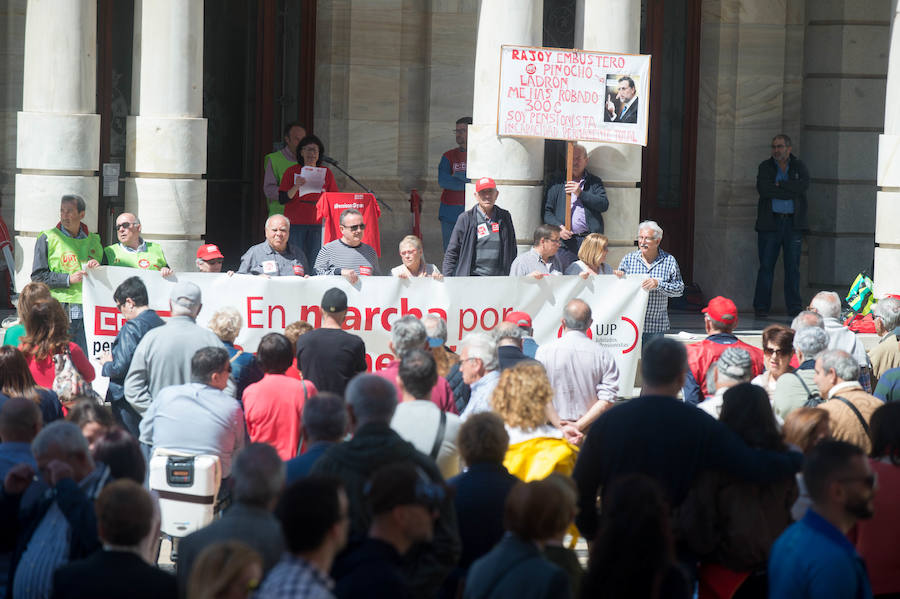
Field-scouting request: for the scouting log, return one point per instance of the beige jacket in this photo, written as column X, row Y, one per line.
column 845, row 426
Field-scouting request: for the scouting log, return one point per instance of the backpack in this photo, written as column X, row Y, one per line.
column 813, row 399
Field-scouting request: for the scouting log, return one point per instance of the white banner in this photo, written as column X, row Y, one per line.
column 469, row 304
column 574, row 95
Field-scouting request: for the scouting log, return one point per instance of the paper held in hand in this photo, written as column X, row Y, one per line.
column 315, row 180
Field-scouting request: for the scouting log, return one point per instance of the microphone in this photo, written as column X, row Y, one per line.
column 328, row 159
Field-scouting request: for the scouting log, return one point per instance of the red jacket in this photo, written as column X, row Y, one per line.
column 702, row 356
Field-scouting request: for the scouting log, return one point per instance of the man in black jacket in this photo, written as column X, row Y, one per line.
column 131, row 299
column 587, row 206
column 372, row 401
column 666, row 439
column 483, row 242
column 781, row 219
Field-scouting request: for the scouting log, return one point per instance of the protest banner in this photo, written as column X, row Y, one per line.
column 468, row 304
column 574, row 95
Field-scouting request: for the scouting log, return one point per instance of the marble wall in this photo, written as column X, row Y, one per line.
column 392, row 77
column 12, row 70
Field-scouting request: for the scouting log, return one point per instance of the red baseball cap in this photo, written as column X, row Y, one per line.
column 521, row 319
column 485, row 183
column 209, row 252
column 721, row 309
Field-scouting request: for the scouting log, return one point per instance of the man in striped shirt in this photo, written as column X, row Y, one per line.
column 348, row 256
column 664, row 278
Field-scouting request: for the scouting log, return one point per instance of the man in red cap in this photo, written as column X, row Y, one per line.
column 483, row 242
column 523, row 321
column 720, row 317
column 209, row 258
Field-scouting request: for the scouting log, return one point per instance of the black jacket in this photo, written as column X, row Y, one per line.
column 516, row 569
column 123, row 350
column 793, row 189
column 593, row 196
column 460, row 255
column 462, row 392
column 113, row 575
column 374, row 445
column 372, row 569
column 671, row 442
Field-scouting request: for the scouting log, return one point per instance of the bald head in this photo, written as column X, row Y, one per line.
column 577, row 316
column 20, row 420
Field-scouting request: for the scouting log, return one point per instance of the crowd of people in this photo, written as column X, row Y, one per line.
column 465, row 471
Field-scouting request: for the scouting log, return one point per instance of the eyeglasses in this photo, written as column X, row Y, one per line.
column 870, row 480
column 359, row 227
column 557, row 241
column 778, row 352
column 215, row 261
column 125, row 225
column 778, row 146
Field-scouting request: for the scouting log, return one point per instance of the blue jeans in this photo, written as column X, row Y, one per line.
column 76, row 334
column 309, row 239
column 770, row 244
column 448, row 215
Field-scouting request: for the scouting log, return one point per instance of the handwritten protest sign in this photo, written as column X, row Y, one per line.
column 573, row 95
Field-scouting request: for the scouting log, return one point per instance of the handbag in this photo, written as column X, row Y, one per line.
column 68, row 384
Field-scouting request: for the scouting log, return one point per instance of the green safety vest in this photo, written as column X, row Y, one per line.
column 152, row 259
column 279, row 165
column 67, row 254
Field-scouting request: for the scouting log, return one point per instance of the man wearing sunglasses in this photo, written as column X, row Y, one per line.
column 209, row 258
column 132, row 251
column 813, row 557
column 349, row 256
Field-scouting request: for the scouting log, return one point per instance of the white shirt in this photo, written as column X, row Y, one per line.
column 581, row 373
column 840, row 337
column 418, row 422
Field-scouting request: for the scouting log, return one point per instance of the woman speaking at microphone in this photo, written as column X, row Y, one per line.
column 301, row 186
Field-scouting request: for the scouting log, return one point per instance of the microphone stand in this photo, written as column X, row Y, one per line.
column 334, row 163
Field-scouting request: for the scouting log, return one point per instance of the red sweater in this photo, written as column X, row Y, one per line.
column 273, row 408
column 44, row 371
column 876, row 539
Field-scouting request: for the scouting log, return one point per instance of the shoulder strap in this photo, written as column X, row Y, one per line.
column 235, row 356
column 439, row 437
column 809, row 394
column 859, row 416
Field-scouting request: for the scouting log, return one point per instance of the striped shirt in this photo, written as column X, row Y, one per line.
column 665, row 270
column 337, row 255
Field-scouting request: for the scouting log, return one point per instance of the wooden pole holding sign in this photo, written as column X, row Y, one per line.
column 570, row 155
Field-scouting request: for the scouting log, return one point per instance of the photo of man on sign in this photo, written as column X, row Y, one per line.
column 621, row 99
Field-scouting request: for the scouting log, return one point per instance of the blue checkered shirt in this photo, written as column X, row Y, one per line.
column 665, row 270
column 295, row 578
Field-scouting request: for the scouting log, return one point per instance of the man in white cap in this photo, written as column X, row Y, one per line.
column 163, row 357
column 483, row 242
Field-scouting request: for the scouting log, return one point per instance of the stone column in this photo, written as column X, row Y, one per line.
column 614, row 26
column 165, row 155
column 887, row 210
column 516, row 164
column 58, row 134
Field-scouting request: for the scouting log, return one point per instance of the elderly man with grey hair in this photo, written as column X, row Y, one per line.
column 827, row 304
column 276, row 256
column 796, row 389
column 583, row 374
column 849, row 407
column 408, row 333
column 258, row 476
column 663, row 278
column 60, row 526
column 479, row 365
column 734, row 366
column 886, row 354
column 509, row 344
column 372, row 401
column 163, row 357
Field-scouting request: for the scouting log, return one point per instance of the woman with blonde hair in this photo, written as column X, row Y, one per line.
column 523, row 398
column 413, row 256
column 47, row 335
column 226, row 323
column 226, row 570
column 592, row 257
column 31, row 294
